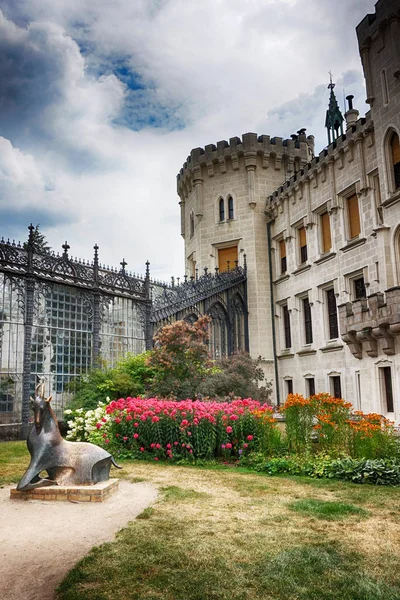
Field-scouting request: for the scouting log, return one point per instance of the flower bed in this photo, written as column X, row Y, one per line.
column 187, row 429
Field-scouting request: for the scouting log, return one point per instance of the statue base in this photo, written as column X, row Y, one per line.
column 72, row 493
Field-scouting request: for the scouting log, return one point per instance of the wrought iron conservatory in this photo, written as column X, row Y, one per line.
column 60, row 316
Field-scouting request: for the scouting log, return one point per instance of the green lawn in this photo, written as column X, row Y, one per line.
column 225, row 534
column 14, row 459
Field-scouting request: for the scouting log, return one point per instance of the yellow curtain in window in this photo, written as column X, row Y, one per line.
column 326, row 232
column 354, row 216
column 225, row 255
column 282, row 248
column 302, row 237
column 395, row 148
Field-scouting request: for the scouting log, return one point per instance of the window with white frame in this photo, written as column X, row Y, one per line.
column 335, row 385
column 387, row 388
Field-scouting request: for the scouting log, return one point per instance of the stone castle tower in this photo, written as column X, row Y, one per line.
column 222, row 190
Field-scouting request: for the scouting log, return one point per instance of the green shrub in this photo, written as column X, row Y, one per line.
column 130, row 377
column 237, row 375
column 378, row 471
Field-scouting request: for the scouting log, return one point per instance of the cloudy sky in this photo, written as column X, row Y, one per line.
column 101, row 101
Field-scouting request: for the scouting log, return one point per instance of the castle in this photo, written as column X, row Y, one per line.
column 323, row 249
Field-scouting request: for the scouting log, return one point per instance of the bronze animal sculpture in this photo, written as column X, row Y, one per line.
column 66, row 463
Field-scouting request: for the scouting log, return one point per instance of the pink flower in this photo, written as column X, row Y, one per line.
column 152, row 445
column 223, row 446
column 175, row 443
column 190, row 451
column 117, row 420
column 158, row 446
column 156, row 458
column 142, row 449
column 249, row 438
column 129, row 417
column 189, row 433
column 135, row 435
column 228, row 446
column 136, row 424
column 233, row 417
column 107, row 441
column 229, row 429
column 169, row 446
column 155, row 419
column 124, row 438
column 117, row 435
column 245, row 445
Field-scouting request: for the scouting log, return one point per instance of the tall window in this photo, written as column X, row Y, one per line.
column 326, row 232
column 286, row 326
column 230, row 208
column 336, row 386
column 282, row 254
column 289, row 386
column 307, row 321
column 359, row 288
column 332, row 314
column 354, row 216
column 387, row 388
column 378, row 198
column 311, row 386
column 395, row 156
column 303, row 245
column 191, row 225
column 221, row 209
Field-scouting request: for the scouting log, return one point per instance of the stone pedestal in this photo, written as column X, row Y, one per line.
column 74, row 493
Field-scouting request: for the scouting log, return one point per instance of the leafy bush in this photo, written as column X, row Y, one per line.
column 236, row 375
column 82, row 424
column 131, row 377
column 379, row 471
column 180, row 360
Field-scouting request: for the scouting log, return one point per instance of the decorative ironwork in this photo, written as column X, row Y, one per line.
column 177, row 297
column 64, row 313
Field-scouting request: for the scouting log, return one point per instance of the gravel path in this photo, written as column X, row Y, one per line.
column 40, row 541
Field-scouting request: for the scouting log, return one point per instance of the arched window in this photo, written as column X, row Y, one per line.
column 221, row 209
column 395, row 159
column 230, row 208
column 218, row 331
column 191, row 225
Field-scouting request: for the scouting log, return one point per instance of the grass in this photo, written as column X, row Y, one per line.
column 230, row 534
column 328, row 510
column 226, row 535
column 14, row 459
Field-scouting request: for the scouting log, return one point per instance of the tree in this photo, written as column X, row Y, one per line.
column 180, row 359
column 39, row 242
column 237, row 375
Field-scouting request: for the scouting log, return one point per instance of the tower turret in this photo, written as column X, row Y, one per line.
column 334, row 118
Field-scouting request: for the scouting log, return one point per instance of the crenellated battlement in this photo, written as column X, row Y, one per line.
column 337, row 152
column 373, row 23
column 271, row 150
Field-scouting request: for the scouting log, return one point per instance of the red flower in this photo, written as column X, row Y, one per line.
column 135, row 435
column 98, row 425
column 142, row 449
column 117, row 420
column 228, row 446
column 249, row 438
column 229, row 429
column 129, row 417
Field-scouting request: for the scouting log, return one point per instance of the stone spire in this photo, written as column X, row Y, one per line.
column 334, row 118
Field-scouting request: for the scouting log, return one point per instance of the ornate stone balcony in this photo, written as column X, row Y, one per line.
column 369, row 322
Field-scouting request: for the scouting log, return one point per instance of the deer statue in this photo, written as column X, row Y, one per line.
column 66, row 463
